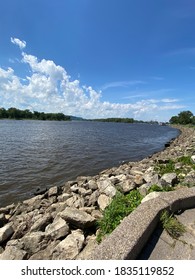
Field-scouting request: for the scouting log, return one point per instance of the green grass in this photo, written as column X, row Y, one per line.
column 156, row 188
column 169, row 167
column 170, row 223
column 121, row 206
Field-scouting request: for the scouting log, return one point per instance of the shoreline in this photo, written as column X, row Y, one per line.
column 61, row 222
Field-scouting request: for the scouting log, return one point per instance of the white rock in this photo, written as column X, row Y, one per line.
column 150, row 196
column 6, row 232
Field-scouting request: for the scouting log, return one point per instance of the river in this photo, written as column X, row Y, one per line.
column 46, row 153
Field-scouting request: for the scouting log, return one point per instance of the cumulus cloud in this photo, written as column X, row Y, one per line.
column 49, row 88
column 18, row 42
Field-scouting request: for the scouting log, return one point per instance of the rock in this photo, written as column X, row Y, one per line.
column 34, row 200
column 143, row 189
column 7, row 209
column 169, row 179
column 53, row 191
column 34, row 242
column 150, row 196
column 57, row 229
column 92, row 185
column 13, row 253
column 92, row 199
column 84, row 192
column 41, row 223
column 47, row 253
column 6, row 232
column 40, row 191
column 193, row 158
column 106, row 187
column 89, row 248
column 63, row 197
column 127, row 186
column 77, row 218
column 104, row 201
column 70, row 247
column 138, row 180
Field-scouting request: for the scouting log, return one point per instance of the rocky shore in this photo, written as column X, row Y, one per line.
column 61, row 223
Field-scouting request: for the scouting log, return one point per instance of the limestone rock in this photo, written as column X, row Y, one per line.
column 77, row 217
column 127, row 186
column 57, row 229
column 169, row 179
column 70, row 247
column 150, row 196
column 34, row 242
column 106, row 187
column 13, row 253
column 41, row 223
column 47, row 253
column 53, row 191
column 103, row 201
column 6, row 232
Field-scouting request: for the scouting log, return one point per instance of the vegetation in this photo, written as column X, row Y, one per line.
column 156, row 188
column 184, row 117
column 13, row 113
column 121, row 206
column 170, row 166
column 170, row 223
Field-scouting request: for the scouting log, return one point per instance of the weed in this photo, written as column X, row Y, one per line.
column 156, row 188
column 170, row 223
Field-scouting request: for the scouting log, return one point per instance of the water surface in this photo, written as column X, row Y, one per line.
column 46, row 153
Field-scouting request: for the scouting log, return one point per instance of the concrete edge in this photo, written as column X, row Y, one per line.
column 129, row 238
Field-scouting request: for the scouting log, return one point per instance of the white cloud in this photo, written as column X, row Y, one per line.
column 122, row 84
column 49, row 88
column 19, row 43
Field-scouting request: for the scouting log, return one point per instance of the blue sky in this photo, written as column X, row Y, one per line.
column 98, row 58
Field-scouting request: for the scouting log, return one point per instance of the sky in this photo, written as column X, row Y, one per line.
column 98, row 58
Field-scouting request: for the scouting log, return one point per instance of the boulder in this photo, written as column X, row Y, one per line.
column 47, row 253
column 6, row 232
column 88, row 249
column 168, row 179
column 92, row 199
column 77, row 218
column 103, row 201
column 53, row 191
column 57, row 229
column 106, row 187
column 92, row 185
column 41, row 223
column 150, row 196
column 13, row 253
column 127, row 186
column 70, row 247
column 34, row 242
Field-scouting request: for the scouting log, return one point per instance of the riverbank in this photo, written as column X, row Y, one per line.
column 62, row 222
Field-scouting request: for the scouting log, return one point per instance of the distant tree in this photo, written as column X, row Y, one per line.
column 174, row 120
column 184, row 117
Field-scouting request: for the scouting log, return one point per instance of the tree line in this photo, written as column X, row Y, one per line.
column 184, row 117
column 14, row 113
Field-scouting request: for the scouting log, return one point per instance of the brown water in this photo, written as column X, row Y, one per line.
column 45, row 153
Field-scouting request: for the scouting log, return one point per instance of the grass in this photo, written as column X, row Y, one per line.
column 156, row 188
column 170, row 223
column 121, row 206
column 169, row 167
